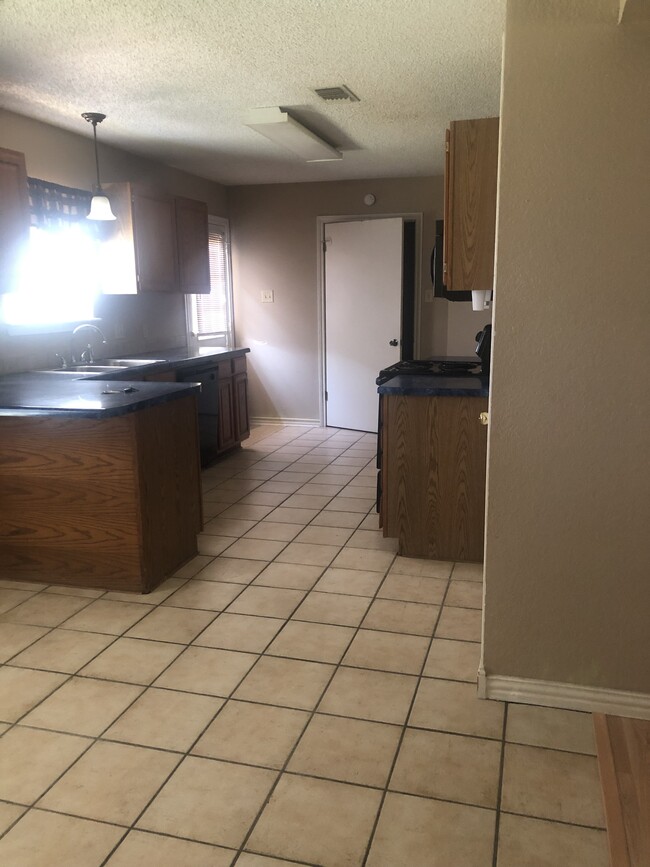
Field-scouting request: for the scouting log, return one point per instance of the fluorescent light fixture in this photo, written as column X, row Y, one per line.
column 284, row 130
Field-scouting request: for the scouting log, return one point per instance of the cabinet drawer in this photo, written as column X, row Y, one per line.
column 225, row 369
column 239, row 364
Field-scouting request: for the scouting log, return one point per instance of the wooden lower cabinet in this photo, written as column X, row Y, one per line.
column 111, row 503
column 432, row 476
column 234, row 424
column 226, row 436
column 242, row 419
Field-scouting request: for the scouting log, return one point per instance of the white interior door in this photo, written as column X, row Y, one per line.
column 363, row 299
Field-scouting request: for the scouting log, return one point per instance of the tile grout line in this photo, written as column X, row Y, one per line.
column 497, row 822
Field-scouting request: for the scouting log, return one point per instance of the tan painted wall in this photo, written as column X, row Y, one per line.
column 568, row 544
column 62, row 157
column 275, row 247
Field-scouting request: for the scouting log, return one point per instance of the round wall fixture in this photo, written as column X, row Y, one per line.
column 369, row 199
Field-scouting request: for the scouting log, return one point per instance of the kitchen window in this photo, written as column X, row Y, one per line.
column 210, row 317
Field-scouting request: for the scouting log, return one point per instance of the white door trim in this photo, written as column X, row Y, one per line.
column 320, row 286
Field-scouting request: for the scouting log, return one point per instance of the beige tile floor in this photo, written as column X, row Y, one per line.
column 297, row 694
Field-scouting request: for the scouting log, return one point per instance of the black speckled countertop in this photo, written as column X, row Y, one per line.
column 436, row 386
column 104, row 395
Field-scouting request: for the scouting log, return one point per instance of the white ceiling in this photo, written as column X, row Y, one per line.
column 176, row 77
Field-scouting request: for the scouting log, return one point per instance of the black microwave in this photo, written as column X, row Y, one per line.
column 437, row 256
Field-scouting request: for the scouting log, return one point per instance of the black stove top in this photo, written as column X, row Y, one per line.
column 430, row 368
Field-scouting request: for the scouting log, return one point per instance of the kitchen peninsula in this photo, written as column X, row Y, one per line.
column 432, row 461
column 99, row 481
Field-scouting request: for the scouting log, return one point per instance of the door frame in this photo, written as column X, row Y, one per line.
column 320, row 287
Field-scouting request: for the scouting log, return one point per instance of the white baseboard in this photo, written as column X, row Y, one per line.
column 263, row 419
column 566, row 695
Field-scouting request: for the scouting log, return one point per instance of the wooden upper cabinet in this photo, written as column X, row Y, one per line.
column 14, row 215
column 471, row 153
column 154, row 223
column 193, row 246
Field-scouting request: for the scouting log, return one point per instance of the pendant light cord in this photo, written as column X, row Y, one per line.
column 99, row 186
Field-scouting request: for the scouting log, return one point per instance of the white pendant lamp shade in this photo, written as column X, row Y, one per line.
column 100, row 207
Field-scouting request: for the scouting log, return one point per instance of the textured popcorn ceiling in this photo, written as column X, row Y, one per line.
column 176, row 78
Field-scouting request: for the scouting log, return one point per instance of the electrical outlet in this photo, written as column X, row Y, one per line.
column 267, row 296
column 428, row 296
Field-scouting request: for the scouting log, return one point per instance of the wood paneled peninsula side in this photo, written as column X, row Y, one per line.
column 431, row 465
column 99, row 481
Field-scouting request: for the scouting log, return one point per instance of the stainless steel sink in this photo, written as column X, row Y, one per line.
column 107, row 365
column 82, row 368
column 130, row 362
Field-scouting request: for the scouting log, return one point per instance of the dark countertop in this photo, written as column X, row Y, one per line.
column 81, row 394
column 437, row 386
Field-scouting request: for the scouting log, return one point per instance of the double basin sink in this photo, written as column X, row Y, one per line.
column 107, row 365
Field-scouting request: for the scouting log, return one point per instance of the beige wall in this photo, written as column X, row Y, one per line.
column 144, row 322
column 274, row 230
column 568, row 550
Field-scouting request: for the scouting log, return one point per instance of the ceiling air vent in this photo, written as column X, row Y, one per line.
column 334, row 93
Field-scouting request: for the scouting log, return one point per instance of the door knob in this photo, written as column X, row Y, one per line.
column 393, row 342
column 484, row 418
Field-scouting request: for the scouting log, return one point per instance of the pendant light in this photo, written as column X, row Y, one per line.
column 100, row 207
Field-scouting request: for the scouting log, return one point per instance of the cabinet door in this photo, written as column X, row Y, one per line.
column 241, row 406
column 226, row 438
column 154, row 226
column 470, row 204
column 193, row 246
column 14, row 215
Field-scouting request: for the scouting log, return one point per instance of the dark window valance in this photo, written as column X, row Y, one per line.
column 53, row 206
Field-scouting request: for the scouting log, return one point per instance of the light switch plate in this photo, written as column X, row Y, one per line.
column 267, row 296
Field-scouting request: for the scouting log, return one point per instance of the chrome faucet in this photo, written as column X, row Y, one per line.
column 87, row 356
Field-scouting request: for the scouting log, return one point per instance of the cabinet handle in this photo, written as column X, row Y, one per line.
column 392, row 342
column 484, row 418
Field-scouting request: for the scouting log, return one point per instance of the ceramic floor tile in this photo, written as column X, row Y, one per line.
column 209, row 801
column 31, row 586
column 63, row 650
column 286, row 515
column 372, row 695
column 308, row 555
column 362, row 558
column 267, row 601
column 207, row 670
column 411, row 829
column 165, row 719
column 422, row 568
column 525, row 842
column 465, row 594
column 448, row 767
column 240, row 632
column 254, row 734
column 279, row 487
column 394, row 616
column 463, row 624
column 248, row 512
column 315, row 535
column 255, row 549
column 346, row 520
column 387, row 651
column 348, row 750
column 350, row 504
column 455, row 707
column 286, row 682
column 221, row 526
column 274, row 531
column 413, row 588
column 333, row 608
column 8, row 815
column 214, row 545
column 111, row 782
column 232, row 571
column 42, row 839
column 193, row 566
column 15, row 637
column 10, row 598
column 291, row 576
column 132, row 660
column 142, row 848
column 551, row 727
column 45, row 610
column 263, row 498
column 549, row 784
column 22, row 688
column 318, row 642
column 372, row 540
column 86, row 592
column 162, row 592
column 306, row 501
column 83, row 706
column 172, row 624
column 206, row 595
column 468, row 572
column 354, row 582
column 317, row 821
column 112, row 618
column 453, row 660
column 31, row 760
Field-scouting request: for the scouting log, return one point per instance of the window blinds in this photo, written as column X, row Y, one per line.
column 212, row 313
